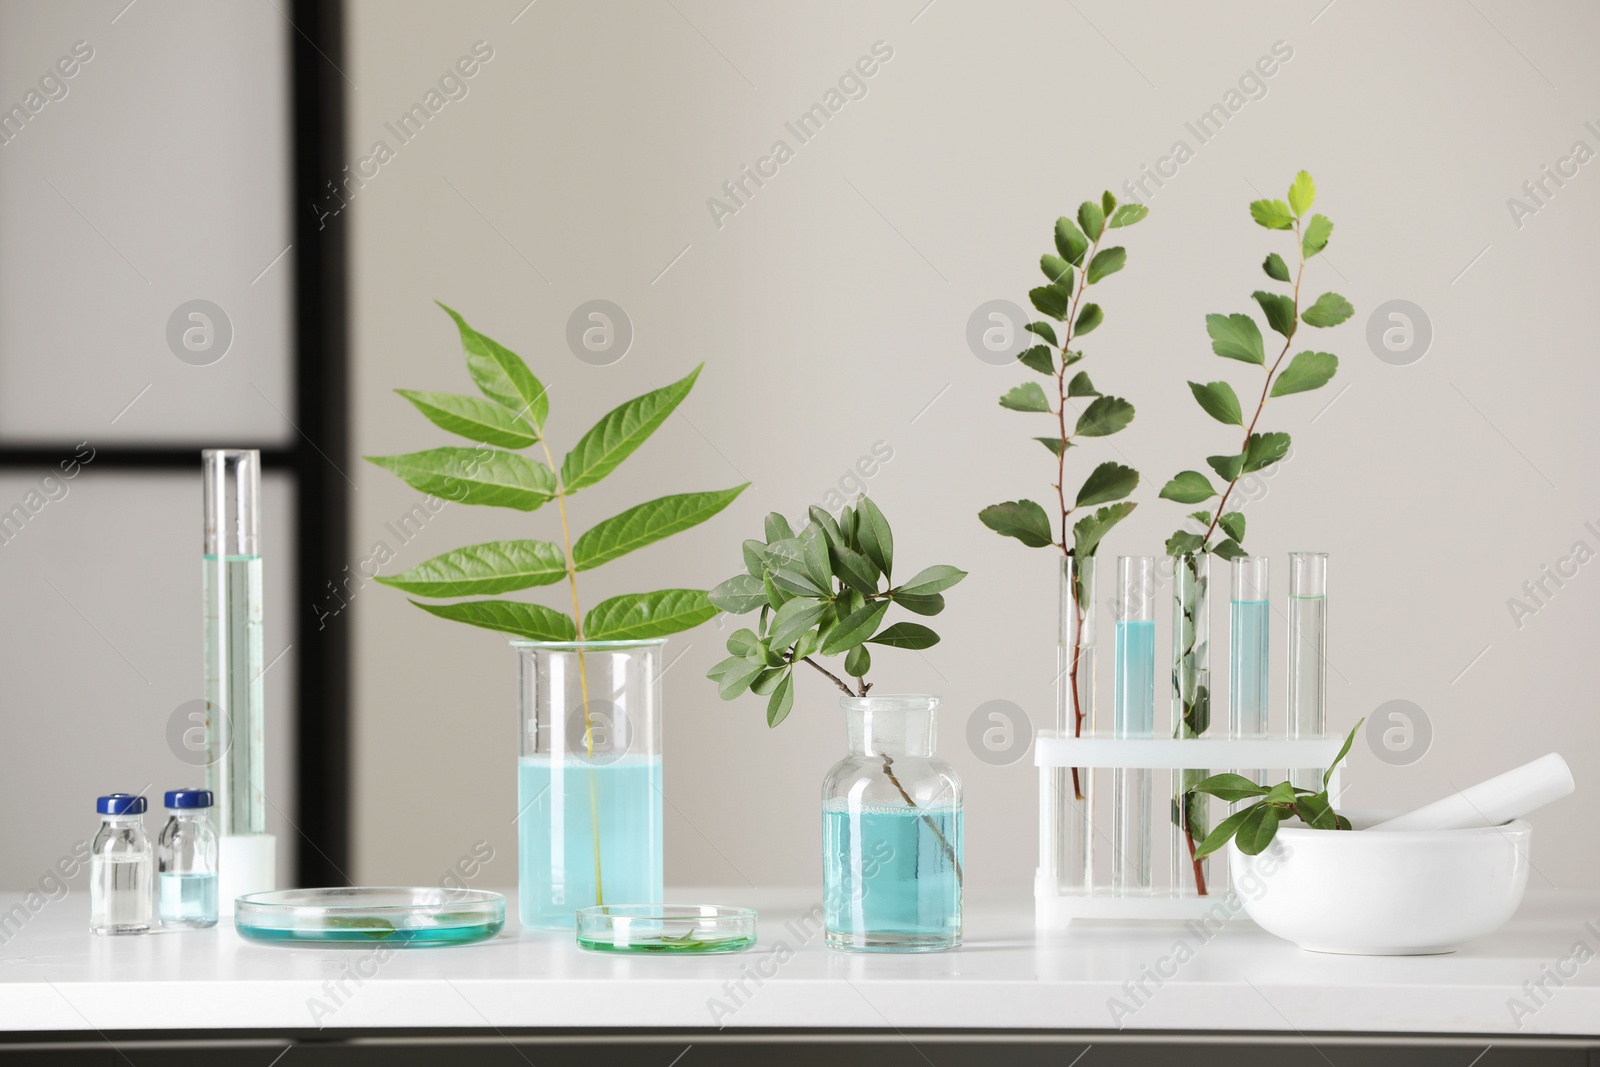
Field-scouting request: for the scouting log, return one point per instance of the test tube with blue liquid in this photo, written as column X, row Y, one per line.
column 1250, row 614
column 1134, row 717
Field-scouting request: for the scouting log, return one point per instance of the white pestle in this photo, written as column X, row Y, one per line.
column 1499, row 800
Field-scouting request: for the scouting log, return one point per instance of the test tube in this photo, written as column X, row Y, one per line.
column 1191, row 717
column 1308, row 655
column 1134, row 717
column 1250, row 613
column 1073, row 834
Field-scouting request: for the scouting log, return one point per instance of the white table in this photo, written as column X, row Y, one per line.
column 55, row 977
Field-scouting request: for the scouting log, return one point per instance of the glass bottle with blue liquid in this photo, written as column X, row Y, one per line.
column 891, row 832
column 186, row 862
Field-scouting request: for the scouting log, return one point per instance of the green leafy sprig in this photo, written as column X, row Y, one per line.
column 1254, row 826
column 821, row 592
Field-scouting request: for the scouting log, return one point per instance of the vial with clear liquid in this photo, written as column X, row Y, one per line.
column 120, row 864
column 186, row 862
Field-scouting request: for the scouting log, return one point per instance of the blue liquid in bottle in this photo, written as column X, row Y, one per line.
column 889, row 881
column 1132, row 789
column 186, row 899
column 1247, row 689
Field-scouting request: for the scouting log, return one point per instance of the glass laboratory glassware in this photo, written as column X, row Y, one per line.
column 1307, row 713
column 1250, row 623
column 120, row 861
column 1134, row 716
column 891, row 832
column 1191, row 711
column 589, row 800
column 186, row 862
column 1073, row 807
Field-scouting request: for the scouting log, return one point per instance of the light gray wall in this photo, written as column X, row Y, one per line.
column 832, row 310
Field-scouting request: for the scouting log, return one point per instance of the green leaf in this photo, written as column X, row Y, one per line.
column 1022, row 519
column 1301, row 193
column 1070, row 242
column 474, row 476
column 1091, row 218
column 1202, row 516
column 1089, row 531
column 500, row 373
column 1051, row 301
column 1316, row 812
column 777, row 528
column 830, row 526
column 746, row 644
column 1318, row 230
column 648, row 523
column 1233, row 525
column 1188, row 487
column 1264, row 450
column 1256, row 834
column 472, row 418
column 480, row 570
column 921, row 605
column 1230, row 549
column 1045, row 330
column 1330, row 310
column 1127, row 215
column 1029, row 396
column 855, row 569
column 1058, row 270
column 795, row 618
column 733, row 676
column 932, row 580
column 1306, row 371
column 1107, row 482
column 814, row 555
column 1069, row 358
column 1038, row 358
column 1279, row 310
column 1227, row 467
column 1108, row 203
column 1236, row 337
column 1219, row 401
column 1275, row 267
column 615, row 437
column 856, row 628
column 639, row 616
column 755, row 557
column 912, row 635
column 858, row 662
column 1273, row 214
column 796, row 583
column 532, row 621
column 1350, row 738
column 1090, row 317
column 782, row 700
column 1104, row 416
column 1106, row 262
column 1081, row 386
column 1184, row 543
column 740, row 594
column 877, row 540
column 768, row 681
column 1224, row 832
column 1230, row 787
column 1054, row 444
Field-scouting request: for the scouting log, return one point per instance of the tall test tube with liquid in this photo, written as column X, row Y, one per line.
column 1308, row 654
column 1250, row 618
column 1134, row 716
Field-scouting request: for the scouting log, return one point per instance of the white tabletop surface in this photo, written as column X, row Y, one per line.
column 54, row 976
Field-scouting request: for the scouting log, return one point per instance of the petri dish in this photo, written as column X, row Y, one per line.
column 406, row 917
column 666, row 929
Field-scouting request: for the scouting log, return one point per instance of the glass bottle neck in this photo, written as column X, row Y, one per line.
column 893, row 726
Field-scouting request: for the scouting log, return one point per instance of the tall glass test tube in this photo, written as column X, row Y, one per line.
column 1250, row 614
column 1135, row 716
column 1308, row 654
column 1191, row 708
column 235, row 773
column 1073, row 833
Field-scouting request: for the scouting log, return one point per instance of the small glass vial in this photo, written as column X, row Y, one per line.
column 186, row 862
column 120, row 866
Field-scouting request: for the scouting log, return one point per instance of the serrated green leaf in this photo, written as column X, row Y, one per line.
column 1090, row 317
column 1202, row 517
column 1330, row 310
column 1054, row 444
column 1273, row 214
column 1236, row 337
column 647, row 523
column 931, row 580
column 1038, row 358
column 1106, row 262
column 781, row 701
column 1029, row 396
column 858, row 662
column 856, row 628
column 1230, row 549
column 1104, row 416
column 1275, row 267
column 532, row 621
column 1301, row 193
column 1264, row 450
column 640, row 616
column 912, row 635
column 500, row 373
column 1233, row 525
column 1188, row 487
column 1279, row 310
column 1091, row 219
column 1107, row 482
column 877, row 540
column 1227, row 467
column 1318, row 230
column 1108, row 203
column 1184, row 543
column 1045, row 330
column 1219, row 401
column 1022, row 519
column 1089, row 531
column 484, row 569
column 740, row 594
column 1127, row 215
column 1306, row 371
column 616, row 436
column 1050, row 300
column 1070, row 241
column 473, row 418
column 795, row 618
column 1058, row 270
column 1081, row 386
column 483, row 476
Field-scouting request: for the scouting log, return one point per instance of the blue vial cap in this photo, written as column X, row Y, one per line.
column 188, row 798
column 120, row 804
